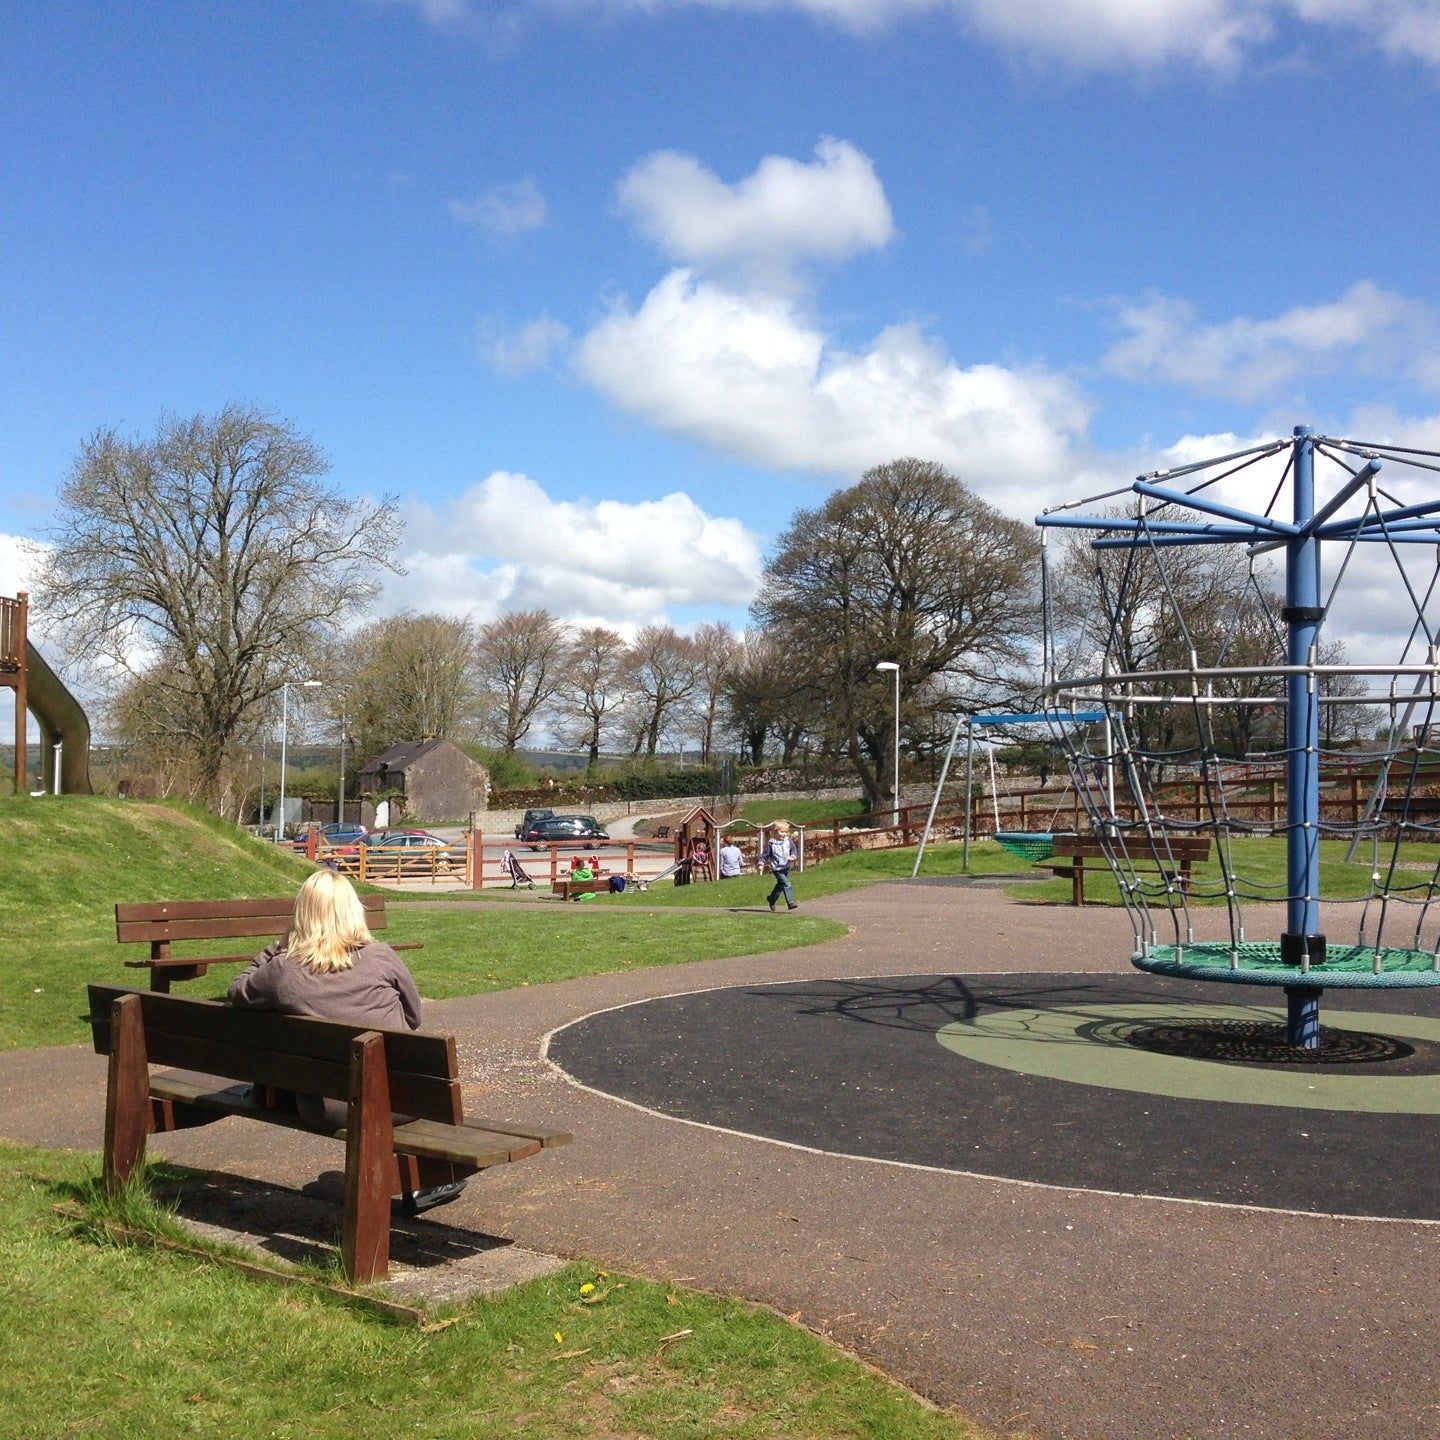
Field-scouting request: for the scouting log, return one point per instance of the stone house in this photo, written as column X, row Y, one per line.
column 437, row 779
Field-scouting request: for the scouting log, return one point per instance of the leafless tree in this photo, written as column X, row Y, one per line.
column 210, row 560
column 716, row 650
column 905, row 566
column 591, row 688
column 404, row 677
column 520, row 660
column 662, row 669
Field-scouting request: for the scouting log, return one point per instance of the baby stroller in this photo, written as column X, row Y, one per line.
column 516, row 871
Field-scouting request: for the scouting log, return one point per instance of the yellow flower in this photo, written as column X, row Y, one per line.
column 559, row 1338
column 587, row 1288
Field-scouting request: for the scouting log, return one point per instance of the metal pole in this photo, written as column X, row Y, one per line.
column 284, row 739
column 895, row 815
column 1302, row 944
column 935, row 799
column 969, row 788
column 340, row 793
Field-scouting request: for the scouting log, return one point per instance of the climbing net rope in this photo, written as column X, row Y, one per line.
column 1214, row 636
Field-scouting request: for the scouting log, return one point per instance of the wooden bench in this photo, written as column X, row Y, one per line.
column 162, row 922
column 1172, row 857
column 405, row 1126
column 568, row 889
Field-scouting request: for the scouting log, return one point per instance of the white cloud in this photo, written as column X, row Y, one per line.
column 746, row 374
column 1214, row 35
column 504, row 210
column 506, row 544
column 1368, row 328
column 784, row 213
column 17, row 564
column 531, row 347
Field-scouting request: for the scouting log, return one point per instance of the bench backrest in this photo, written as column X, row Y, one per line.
column 294, row 1052
column 166, row 921
column 1136, row 846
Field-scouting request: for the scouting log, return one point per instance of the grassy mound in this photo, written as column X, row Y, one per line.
column 68, row 860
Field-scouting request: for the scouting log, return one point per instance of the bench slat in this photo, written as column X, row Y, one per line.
column 200, row 1091
column 281, row 905
column 406, row 1051
column 129, row 932
column 464, row 1144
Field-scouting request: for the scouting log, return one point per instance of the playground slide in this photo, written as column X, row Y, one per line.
column 61, row 719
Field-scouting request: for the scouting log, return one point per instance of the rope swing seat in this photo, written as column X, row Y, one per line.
column 1235, row 689
column 1027, row 844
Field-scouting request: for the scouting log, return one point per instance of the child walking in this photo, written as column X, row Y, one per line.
column 779, row 853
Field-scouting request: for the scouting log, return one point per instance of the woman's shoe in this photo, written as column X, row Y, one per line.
column 432, row 1196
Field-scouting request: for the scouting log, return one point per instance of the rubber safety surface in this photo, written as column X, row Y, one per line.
column 1110, row 1082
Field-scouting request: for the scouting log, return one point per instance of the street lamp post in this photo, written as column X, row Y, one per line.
column 892, row 666
column 284, row 740
column 340, row 793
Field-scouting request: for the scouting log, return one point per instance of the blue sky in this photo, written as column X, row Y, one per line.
column 603, row 290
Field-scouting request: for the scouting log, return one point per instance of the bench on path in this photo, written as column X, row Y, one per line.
column 162, row 922
column 405, row 1127
column 1170, row 856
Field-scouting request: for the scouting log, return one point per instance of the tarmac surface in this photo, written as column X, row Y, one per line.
column 1044, row 1308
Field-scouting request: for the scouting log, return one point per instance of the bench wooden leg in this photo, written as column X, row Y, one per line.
column 1077, row 881
column 369, row 1166
column 127, row 1094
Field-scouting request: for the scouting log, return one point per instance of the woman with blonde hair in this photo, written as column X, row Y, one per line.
column 329, row 964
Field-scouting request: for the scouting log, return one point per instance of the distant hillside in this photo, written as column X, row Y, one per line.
column 64, row 863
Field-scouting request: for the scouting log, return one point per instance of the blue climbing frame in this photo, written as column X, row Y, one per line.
column 1303, row 943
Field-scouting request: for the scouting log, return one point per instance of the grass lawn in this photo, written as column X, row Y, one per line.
column 844, row 872
column 1260, row 864
column 119, row 1342
column 799, row 812
column 68, row 860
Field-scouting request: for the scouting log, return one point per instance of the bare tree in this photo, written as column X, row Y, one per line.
column 662, row 668
column 404, row 677
column 591, row 688
column 905, row 566
column 757, row 687
column 716, row 650
column 210, row 560
column 520, row 663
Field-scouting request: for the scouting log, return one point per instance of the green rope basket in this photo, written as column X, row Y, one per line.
column 1027, row 844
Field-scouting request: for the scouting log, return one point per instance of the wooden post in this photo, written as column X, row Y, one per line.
column 477, row 859
column 554, row 864
column 127, row 1094
column 629, row 857
column 369, row 1170
column 312, row 843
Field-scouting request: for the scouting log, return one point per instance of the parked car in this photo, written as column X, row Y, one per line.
column 343, row 833
column 407, row 852
column 532, row 817
column 564, row 830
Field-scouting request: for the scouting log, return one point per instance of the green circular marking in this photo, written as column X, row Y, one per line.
column 1046, row 1043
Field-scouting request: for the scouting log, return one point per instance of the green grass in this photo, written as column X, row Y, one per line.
column 68, row 860
column 119, row 1342
column 1260, row 863
column 799, row 812
column 844, row 872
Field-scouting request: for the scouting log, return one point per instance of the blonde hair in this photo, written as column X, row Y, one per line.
column 329, row 924
column 781, row 826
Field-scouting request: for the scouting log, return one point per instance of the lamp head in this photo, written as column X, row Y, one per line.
column 887, row 665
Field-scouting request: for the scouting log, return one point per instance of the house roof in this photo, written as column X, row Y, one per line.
column 402, row 756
